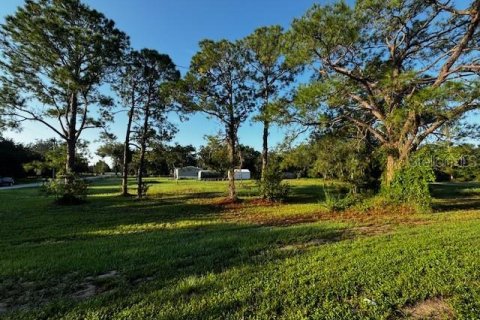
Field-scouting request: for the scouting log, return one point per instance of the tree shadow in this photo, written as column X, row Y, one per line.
column 455, row 196
column 166, row 253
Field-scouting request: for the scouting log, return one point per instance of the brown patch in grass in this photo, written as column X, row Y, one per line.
column 263, row 202
column 434, row 308
column 228, row 203
column 86, row 291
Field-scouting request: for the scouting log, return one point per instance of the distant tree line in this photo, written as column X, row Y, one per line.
column 375, row 83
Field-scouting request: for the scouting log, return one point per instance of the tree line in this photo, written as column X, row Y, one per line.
column 389, row 76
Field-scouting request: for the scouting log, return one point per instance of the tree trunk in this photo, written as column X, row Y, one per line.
column 390, row 169
column 70, row 164
column 71, row 139
column 394, row 163
column 266, row 126
column 143, row 146
column 140, row 172
column 231, row 141
column 126, row 153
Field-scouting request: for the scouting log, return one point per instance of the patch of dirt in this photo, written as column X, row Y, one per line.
column 21, row 294
column 263, row 202
column 435, row 309
column 108, row 275
column 87, row 290
column 228, row 203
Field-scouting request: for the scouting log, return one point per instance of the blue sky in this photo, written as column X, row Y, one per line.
column 175, row 27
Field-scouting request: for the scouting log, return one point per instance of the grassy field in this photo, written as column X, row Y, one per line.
column 182, row 254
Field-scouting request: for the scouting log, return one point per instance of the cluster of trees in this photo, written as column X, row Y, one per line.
column 43, row 158
column 333, row 157
column 163, row 158
column 384, row 75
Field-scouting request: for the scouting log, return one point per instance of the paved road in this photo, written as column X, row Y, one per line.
column 38, row 184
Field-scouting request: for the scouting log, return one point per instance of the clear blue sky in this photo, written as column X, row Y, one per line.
column 175, row 27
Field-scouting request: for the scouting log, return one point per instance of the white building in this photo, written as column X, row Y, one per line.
column 186, row 173
column 242, row 174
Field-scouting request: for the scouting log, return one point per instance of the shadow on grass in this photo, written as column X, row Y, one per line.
column 455, row 196
column 313, row 193
column 144, row 246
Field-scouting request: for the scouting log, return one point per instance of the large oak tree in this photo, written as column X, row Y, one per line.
column 400, row 70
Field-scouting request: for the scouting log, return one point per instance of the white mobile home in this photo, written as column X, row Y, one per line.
column 186, row 173
column 242, row 174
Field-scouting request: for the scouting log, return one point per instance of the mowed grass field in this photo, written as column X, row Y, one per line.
column 182, row 254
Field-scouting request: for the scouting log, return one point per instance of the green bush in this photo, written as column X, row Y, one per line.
column 410, row 185
column 338, row 200
column 71, row 193
column 271, row 187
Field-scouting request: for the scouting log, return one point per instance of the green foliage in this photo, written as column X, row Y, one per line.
column 14, row 158
column 391, row 68
column 217, row 85
column 58, row 54
column 335, row 156
column 214, row 156
column 72, row 193
column 101, row 167
column 271, row 186
column 339, row 199
column 161, row 158
column 410, row 185
column 113, row 150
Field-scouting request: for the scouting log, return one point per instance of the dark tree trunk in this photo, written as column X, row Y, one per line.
column 70, row 164
column 266, row 126
column 140, row 171
column 143, row 146
column 126, row 153
column 231, row 141
column 71, row 139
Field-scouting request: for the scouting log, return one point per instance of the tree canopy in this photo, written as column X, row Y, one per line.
column 399, row 69
column 55, row 55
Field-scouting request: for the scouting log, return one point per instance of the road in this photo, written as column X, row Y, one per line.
column 38, row 184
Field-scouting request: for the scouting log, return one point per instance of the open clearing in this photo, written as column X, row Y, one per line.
column 181, row 254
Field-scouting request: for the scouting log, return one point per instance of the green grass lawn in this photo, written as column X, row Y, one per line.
column 181, row 254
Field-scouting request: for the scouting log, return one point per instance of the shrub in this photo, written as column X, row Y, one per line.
column 272, row 187
column 71, row 193
column 410, row 186
column 338, row 200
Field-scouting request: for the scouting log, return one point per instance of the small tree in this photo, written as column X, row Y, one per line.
column 113, row 150
column 141, row 80
column 55, row 55
column 271, row 186
column 271, row 75
column 217, row 85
